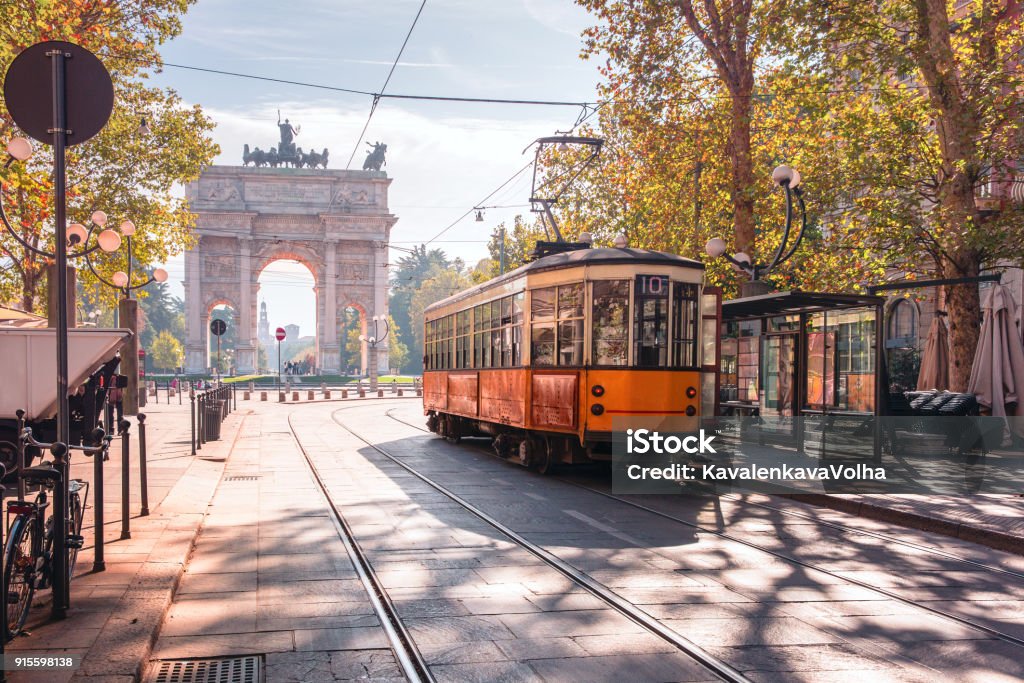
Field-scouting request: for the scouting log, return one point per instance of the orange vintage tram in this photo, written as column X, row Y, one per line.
column 545, row 357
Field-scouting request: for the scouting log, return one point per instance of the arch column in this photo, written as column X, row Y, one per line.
column 245, row 350
column 196, row 347
column 330, row 349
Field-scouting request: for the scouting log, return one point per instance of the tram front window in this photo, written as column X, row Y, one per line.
column 651, row 329
column 611, row 320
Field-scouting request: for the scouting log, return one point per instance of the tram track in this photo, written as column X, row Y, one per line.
column 407, row 655
column 714, row 665
column 944, row 614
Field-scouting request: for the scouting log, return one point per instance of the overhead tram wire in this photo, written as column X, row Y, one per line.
column 376, row 98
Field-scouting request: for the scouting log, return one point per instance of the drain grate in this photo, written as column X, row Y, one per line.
column 243, row 477
column 248, row 669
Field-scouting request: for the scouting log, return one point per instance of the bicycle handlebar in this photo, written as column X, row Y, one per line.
column 59, row 449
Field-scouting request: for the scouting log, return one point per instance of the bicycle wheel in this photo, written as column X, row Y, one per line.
column 76, row 513
column 19, row 573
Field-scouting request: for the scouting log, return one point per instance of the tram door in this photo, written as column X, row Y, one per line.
column 779, row 375
column 711, row 343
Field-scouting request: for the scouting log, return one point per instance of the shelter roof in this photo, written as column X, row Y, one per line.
column 792, row 302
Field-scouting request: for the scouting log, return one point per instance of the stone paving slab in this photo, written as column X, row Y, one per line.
column 270, row 576
column 115, row 613
column 992, row 520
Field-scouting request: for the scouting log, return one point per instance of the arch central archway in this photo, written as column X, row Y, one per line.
column 289, row 297
column 336, row 223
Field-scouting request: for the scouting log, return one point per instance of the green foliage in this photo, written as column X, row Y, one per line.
column 440, row 283
column 159, row 312
column 519, row 242
column 126, row 176
column 406, row 279
column 398, row 352
column 166, row 352
column 897, row 115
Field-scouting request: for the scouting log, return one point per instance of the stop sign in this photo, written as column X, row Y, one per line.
column 280, row 334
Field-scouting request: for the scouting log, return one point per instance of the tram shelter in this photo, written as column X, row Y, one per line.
column 798, row 354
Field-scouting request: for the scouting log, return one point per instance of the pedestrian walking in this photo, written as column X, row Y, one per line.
column 115, row 397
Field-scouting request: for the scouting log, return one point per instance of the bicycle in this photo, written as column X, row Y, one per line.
column 28, row 553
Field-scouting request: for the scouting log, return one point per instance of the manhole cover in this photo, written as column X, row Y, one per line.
column 243, row 477
column 248, row 669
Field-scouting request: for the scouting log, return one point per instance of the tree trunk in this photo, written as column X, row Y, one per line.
column 956, row 125
column 742, row 173
column 964, row 308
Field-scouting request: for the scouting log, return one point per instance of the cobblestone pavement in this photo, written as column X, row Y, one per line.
column 765, row 616
column 241, row 555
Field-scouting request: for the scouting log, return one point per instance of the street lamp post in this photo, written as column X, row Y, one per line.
column 38, row 86
column 372, row 341
column 789, row 180
column 127, row 307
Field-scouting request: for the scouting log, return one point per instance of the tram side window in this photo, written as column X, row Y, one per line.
column 611, row 320
column 449, row 341
column 684, row 325
column 542, row 332
column 517, row 328
column 462, row 343
column 497, row 332
column 428, row 340
column 570, row 325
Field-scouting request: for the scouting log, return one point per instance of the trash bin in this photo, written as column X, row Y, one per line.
column 212, row 419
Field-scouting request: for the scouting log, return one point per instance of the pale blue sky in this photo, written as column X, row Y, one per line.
column 444, row 157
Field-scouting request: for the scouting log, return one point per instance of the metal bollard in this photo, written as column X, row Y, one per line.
column 309, row 395
column 98, row 562
column 327, row 393
column 125, row 480
column 143, row 478
column 108, row 418
column 22, row 492
column 344, row 393
column 380, row 393
column 295, row 396
column 192, row 398
column 263, row 396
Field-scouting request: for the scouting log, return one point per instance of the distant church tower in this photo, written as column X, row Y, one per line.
column 263, row 333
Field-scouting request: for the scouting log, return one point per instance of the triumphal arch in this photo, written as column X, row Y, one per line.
column 335, row 222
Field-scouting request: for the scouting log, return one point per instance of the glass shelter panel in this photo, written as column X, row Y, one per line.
column 841, row 360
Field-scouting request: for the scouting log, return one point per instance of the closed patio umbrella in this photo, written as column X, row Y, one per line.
column 997, row 375
column 934, row 373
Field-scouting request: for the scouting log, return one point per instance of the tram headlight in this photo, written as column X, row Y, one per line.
column 597, row 390
column 597, row 409
column 691, row 411
column 691, row 392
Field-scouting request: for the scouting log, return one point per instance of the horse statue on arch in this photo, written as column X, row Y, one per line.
column 315, row 159
column 257, row 157
column 375, row 159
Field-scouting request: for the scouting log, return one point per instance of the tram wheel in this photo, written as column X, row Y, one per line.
column 544, row 459
column 450, row 430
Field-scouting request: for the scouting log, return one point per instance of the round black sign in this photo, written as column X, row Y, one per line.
column 88, row 92
column 218, row 326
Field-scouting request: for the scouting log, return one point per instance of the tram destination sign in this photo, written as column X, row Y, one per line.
column 652, row 286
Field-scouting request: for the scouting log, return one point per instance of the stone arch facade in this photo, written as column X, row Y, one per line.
column 336, row 223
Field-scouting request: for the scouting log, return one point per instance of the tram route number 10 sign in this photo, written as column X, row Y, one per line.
column 652, row 286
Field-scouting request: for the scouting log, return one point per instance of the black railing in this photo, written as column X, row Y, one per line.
column 209, row 409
